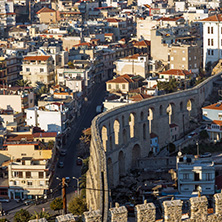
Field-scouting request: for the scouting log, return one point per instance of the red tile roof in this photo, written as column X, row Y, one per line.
column 45, row 9
column 176, row 72
column 108, row 34
column 113, row 20
column 28, row 137
column 169, row 19
column 172, row 125
column 213, row 18
column 84, row 44
column 142, row 43
column 122, row 79
column 41, row 58
column 45, row 134
column 217, row 106
column 152, row 135
column 140, row 97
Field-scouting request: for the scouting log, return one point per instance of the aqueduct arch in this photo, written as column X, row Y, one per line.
column 136, row 153
column 121, row 160
column 116, row 127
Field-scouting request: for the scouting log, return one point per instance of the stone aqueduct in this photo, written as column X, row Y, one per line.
column 122, row 135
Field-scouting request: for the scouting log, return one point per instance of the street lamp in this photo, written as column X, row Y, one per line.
column 198, row 152
column 77, row 179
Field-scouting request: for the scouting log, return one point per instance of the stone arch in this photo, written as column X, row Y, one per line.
column 150, row 118
column 132, row 120
column 104, row 137
column 110, row 172
column 121, row 160
column 191, row 108
column 161, row 110
column 136, row 153
column 171, row 112
column 124, row 136
column 144, row 131
column 116, row 128
column 181, row 106
column 123, row 121
column 110, row 142
column 141, row 116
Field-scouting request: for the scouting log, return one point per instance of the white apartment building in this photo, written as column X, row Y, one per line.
column 51, row 118
column 212, row 39
column 28, row 178
column 135, row 64
column 195, row 175
column 38, row 69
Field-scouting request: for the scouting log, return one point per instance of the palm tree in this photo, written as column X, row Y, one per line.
column 41, row 214
column 23, row 83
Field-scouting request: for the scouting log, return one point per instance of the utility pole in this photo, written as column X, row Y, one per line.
column 198, row 151
column 64, row 195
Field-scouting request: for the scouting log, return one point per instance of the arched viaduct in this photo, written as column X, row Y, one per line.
column 122, row 135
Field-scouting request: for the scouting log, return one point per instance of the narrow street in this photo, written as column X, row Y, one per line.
column 70, row 168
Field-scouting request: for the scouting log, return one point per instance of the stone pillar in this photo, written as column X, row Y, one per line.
column 118, row 214
column 145, row 212
column 218, row 203
column 92, row 216
column 198, row 208
column 172, row 210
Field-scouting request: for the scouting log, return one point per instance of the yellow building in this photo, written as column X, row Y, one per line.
column 47, row 15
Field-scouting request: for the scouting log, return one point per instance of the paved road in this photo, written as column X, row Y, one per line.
column 70, row 168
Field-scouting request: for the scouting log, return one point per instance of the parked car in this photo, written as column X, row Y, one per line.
column 60, row 164
column 205, row 155
column 4, row 200
column 28, row 202
column 192, row 134
column 79, row 162
column 62, row 152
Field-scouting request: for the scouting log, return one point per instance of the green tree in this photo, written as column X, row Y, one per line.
column 70, row 64
column 23, row 83
column 3, row 220
column 56, row 204
column 50, row 144
column 203, row 135
column 22, row 216
column 41, row 214
column 77, row 206
column 168, row 87
column 172, row 147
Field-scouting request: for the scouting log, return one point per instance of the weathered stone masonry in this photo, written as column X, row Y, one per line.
column 172, row 212
column 121, row 136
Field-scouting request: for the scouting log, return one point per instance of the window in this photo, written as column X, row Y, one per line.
column 184, row 59
column 220, row 115
column 189, row 58
column 41, row 70
column 186, row 176
column 18, row 174
column 60, row 74
column 27, row 69
column 212, row 42
column 28, row 174
column 195, row 57
column 117, row 86
column 208, row 176
column 172, row 58
column 41, row 174
column 212, row 52
column 195, row 65
column 29, row 183
column 41, row 183
column 212, row 30
column 208, row 52
column 123, row 86
column 109, row 86
column 172, row 66
column 208, row 30
column 208, row 42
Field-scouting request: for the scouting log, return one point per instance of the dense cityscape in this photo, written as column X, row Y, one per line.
column 110, row 110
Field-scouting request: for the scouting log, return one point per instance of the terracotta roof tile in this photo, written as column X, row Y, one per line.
column 40, row 58
column 45, row 9
column 140, row 97
column 45, row 134
column 213, row 18
column 217, row 106
column 169, row 19
column 177, row 72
